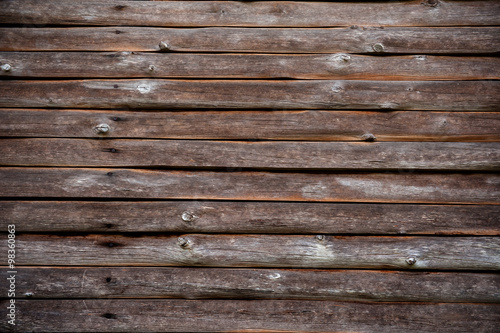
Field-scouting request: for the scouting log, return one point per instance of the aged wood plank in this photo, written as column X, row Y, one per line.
column 276, row 125
column 405, row 40
column 244, row 316
column 250, row 14
column 253, row 94
column 260, row 66
column 227, row 283
column 401, row 187
column 249, row 217
column 321, row 251
column 454, row 156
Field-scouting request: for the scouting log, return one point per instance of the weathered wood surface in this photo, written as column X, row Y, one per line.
column 249, row 217
column 257, row 66
column 400, row 187
column 250, row 14
column 464, row 40
column 456, row 156
column 276, row 125
column 254, row 94
column 227, row 283
column 244, row 316
column 321, row 251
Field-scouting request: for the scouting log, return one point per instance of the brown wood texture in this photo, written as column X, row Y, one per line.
column 249, row 217
column 260, row 125
column 321, row 251
column 371, row 40
column 254, row 94
column 250, row 14
column 397, row 187
column 457, row 156
column 250, row 316
column 230, row 283
column 257, row 66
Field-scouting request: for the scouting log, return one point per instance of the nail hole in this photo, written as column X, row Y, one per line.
column 109, row 316
column 109, row 174
column 108, row 279
column 115, row 86
column 115, row 118
column 108, row 225
column 120, row 7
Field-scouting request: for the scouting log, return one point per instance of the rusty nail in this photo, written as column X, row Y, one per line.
column 183, row 242
column 320, row 237
column 102, row 128
column 188, row 217
column 378, row 47
column 164, row 46
column 411, row 261
column 6, row 67
column 368, row 137
column 29, row 294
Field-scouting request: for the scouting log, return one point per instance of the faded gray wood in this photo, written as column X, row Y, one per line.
column 250, row 14
column 244, row 315
column 253, row 94
column 276, row 125
column 249, row 217
column 403, row 40
column 241, row 66
column 321, row 251
column 456, row 156
column 401, row 187
column 229, row 283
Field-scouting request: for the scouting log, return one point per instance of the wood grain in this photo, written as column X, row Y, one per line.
column 249, row 217
column 249, row 315
column 456, row 156
column 260, row 125
column 253, row 94
column 401, row 187
column 230, row 283
column 403, row 40
column 249, row 14
column 430, row 253
column 242, row 66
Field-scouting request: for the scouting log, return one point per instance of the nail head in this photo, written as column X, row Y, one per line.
column 6, row 67
column 102, row 128
column 378, row 47
column 188, row 216
column 411, row 261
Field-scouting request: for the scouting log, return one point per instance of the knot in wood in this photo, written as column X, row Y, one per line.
column 6, row 67
column 101, row 128
column 411, row 261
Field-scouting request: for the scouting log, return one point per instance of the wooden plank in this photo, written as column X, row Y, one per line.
column 243, row 315
column 253, row 94
column 248, row 217
column 321, row 251
column 263, row 125
column 414, row 40
column 455, row 156
column 229, row 283
column 241, row 66
column 401, row 187
column 252, row 14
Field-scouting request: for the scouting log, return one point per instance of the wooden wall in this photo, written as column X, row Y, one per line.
column 267, row 166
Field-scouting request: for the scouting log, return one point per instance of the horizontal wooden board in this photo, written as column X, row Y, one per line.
column 468, row 40
column 226, row 283
column 253, row 94
column 248, row 217
column 261, row 125
column 255, row 66
column 399, row 187
column 454, row 156
column 250, row 14
column 248, row 316
column 321, row 251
